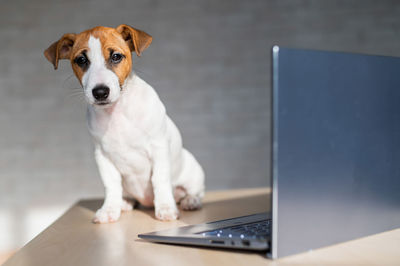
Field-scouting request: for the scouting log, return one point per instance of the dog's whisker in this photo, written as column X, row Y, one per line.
column 76, row 89
column 75, row 94
column 80, row 99
column 64, row 84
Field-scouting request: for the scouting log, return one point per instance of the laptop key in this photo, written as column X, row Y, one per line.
column 254, row 230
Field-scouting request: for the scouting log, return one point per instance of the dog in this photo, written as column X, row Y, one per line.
column 138, row 148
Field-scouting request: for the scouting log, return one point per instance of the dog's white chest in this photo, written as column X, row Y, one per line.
column 122, row 141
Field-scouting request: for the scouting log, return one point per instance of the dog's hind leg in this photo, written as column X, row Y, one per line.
column 189, row 187
column 128, row 204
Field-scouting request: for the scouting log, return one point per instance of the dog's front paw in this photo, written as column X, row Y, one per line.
column 166, row 212
column 107, row 215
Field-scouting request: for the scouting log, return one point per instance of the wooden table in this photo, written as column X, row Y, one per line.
column 74, row 240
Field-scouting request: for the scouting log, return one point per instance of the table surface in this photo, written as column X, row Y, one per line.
column 74, row 240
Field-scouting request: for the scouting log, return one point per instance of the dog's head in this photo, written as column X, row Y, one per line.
column 101, row 59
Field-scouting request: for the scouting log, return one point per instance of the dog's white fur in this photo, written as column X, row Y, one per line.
column 138, row 149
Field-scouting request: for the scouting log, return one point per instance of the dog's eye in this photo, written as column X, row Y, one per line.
column 116, row 57
column 81, row 60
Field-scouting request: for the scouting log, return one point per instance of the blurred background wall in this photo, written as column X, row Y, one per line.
column 209, row 61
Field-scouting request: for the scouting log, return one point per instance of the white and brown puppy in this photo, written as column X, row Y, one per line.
column 138, row 149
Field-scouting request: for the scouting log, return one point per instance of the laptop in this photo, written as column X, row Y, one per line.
column 335, row 157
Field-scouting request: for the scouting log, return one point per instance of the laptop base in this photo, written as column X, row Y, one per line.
column 246, row 233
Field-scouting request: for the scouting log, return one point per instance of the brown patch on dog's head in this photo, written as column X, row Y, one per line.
column 116, row 44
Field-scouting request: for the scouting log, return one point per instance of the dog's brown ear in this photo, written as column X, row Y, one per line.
column 137, row 40
column 60, row 49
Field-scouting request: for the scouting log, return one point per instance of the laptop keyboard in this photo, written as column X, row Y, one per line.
column 259, row 229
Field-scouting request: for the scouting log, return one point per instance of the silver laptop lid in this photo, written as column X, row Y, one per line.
column 336, row 148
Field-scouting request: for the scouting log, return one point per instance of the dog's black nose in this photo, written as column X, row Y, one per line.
column 101, row 92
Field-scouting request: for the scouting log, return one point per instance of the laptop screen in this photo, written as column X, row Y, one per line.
column 336, row 148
